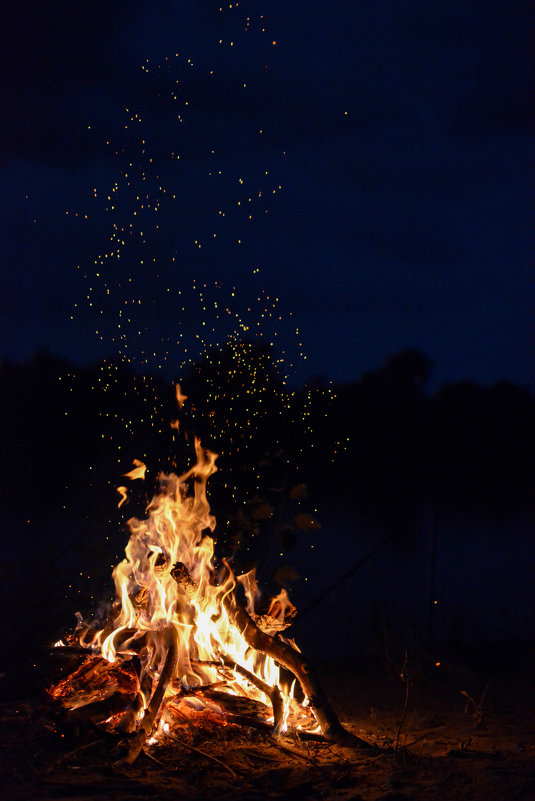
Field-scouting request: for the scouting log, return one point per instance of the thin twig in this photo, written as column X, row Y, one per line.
column 150, row 756
column 382, row 755
column 69, row 754
column 391, row 752
column 145, row 727
column 298, row 755
column 204, row 754
column 418, row 739
column 478, row 708
column 405, row 679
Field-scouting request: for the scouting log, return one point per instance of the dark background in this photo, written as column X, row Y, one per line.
column 399, row 135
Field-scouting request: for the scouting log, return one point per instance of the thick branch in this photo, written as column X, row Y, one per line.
column 292, row 660
column 136, row 743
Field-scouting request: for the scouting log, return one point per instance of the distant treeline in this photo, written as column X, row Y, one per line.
column 379, row 447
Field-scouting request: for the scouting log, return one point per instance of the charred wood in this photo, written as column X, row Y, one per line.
column 136, row 742
column 88, row 716
column 286, row 656
column 237, row 704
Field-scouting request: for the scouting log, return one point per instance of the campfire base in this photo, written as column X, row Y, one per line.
column 126, row 702
column 442, row 750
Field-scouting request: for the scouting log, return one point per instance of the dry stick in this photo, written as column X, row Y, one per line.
column 285, row 749
column 204, row 754
column 69, row 754
column 418, row 740
column 286, row 656
column 405, row 679
column 390, row 752
column 145, row 727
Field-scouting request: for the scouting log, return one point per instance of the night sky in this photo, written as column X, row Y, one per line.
column 345, row 179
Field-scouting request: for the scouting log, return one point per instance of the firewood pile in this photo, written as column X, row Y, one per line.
column 183, row 646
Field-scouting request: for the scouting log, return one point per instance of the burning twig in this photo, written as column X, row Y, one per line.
column 183, row 579
column 137, row 741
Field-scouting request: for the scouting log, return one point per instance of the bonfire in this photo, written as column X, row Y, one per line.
column 184, row 643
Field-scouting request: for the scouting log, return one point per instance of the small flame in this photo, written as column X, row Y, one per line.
column 180, row 398
column 138, row 472
column 281, row 607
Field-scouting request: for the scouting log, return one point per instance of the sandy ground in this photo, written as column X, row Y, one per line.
column 447, row 746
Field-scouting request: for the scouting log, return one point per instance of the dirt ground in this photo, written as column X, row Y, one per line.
column 457, row 730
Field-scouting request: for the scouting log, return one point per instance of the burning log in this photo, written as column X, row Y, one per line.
column 137, row 741
column 95, row 692
column 181, row 575
column 286, row 656
column 235, row 704
column 96, row 712
column 95, row 681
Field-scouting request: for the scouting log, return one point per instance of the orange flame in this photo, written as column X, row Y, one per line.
column 138, row 472
column 180, row 398
column 168, row 578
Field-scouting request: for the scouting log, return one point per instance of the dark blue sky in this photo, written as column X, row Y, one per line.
column 400, row 135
